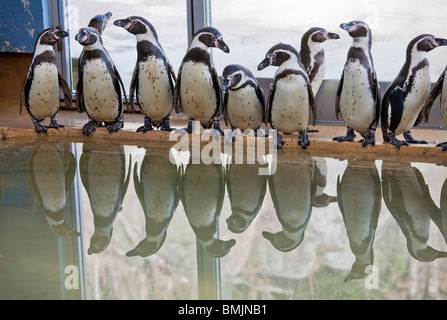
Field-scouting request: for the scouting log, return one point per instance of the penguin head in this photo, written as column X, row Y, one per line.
column 50, row 36
column 277, row 55
column 425, row 43
column 235, row 75
column 357, row 29
column 136, row 25
column 212, row 38
column 88, row 36
column 319, row 35
column 99, row 22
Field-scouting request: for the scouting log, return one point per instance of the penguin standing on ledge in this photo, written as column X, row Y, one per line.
column 403, row 101
column 98, row 91
column 153, row 77
column 197, row 89
column 312, row 56
column 40, row 92
column 358, row 94
column 440, row 88
column 291, row 99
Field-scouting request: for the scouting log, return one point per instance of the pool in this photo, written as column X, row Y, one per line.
column 104, row 219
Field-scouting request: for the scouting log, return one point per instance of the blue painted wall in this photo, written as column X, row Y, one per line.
column 21, row 21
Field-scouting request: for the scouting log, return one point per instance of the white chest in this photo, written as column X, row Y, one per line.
column 101, row 100
column 244, row 109
column 155, row 95
column 290, row 106
column 44, row 91
column 197, row 91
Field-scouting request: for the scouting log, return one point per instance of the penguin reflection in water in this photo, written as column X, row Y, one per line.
column 105, row 179
column 403, row 101
column 100, row 90
column 359, row 196
column 291, row 100
column 197, row 89
column 153, row 78
column 40, row 92
column 439, row 89
column 358, row 94
column 157, row 189
column 50, row 172
column 202, row 193
column 408, row 199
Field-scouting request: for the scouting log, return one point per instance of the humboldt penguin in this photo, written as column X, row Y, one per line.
column 40, row 91
column 246, row 191
column 292, row 202
column 156, row 186
column 153, row 77
column 359, row 196
column 100, row 90
column 244, row 102
column 358, row 94
column 105, row 179
column 202, row 192
column 439, row 89
column 197, row 88
column 408, row 199
column 291, row 99
column 50, row 172
column 403, row 101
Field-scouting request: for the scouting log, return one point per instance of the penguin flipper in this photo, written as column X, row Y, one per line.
column 396, row 98
column 218, row 92
column 26, row 85
column 269, row 102
column 260, row 95
column 378, row 105
column 133, row 85
column 65, row 90
column 79, row 97
column 312, row 104
column 115, row 70
column 435, row 92
column 337, row 97
column 224, row 107
column 178, row 107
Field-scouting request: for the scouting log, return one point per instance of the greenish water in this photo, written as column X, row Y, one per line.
column 106, row 221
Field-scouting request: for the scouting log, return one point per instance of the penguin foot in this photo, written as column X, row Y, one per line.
column 166, row 126
column 261, row 133
column 145, row 128
column 312, row 130
column 279, row 141
column 54, row 124
column 114, row 127
column 39, row 127
column 350, row 135
column 409, row 138
column 397, row 143
column 370, row 139
column 216, row 126
column 303, row 139
column 88, row 128
column 443, row 145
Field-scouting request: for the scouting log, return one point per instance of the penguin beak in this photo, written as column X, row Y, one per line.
column 81, row 37
column 108, row 16
column 440, row 42
column 222, row 46
column 330, row 36
column 264, row 64
column 346, row 26
column 60, row 34
column 123, row 23
column 225, row 84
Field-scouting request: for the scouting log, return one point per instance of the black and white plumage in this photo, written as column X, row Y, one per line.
column 358, row 94
column 153, row 78
column 408, row 199
column 439, row 90
column 40, row 91
column 244, row 101
column 403, row 101
column 359, row 196
column 291, row 100
column 100, row 90
column 197, row 89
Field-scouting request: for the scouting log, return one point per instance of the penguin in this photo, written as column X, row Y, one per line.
column 202, row 192
column 244, row 102
column 319, row 176
column 292, row 202
column 50, row 172
column 312, row 54
column 197, row 88
column 291, row 99
column 100, row 90
column 408, row 199
column 40, row 91
column 153, row 77
column 156, row 186
column 358, row 94
column 439, row 89
column 359, row 197
column 246, row 190
column 105, row 179
column 404, row 98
